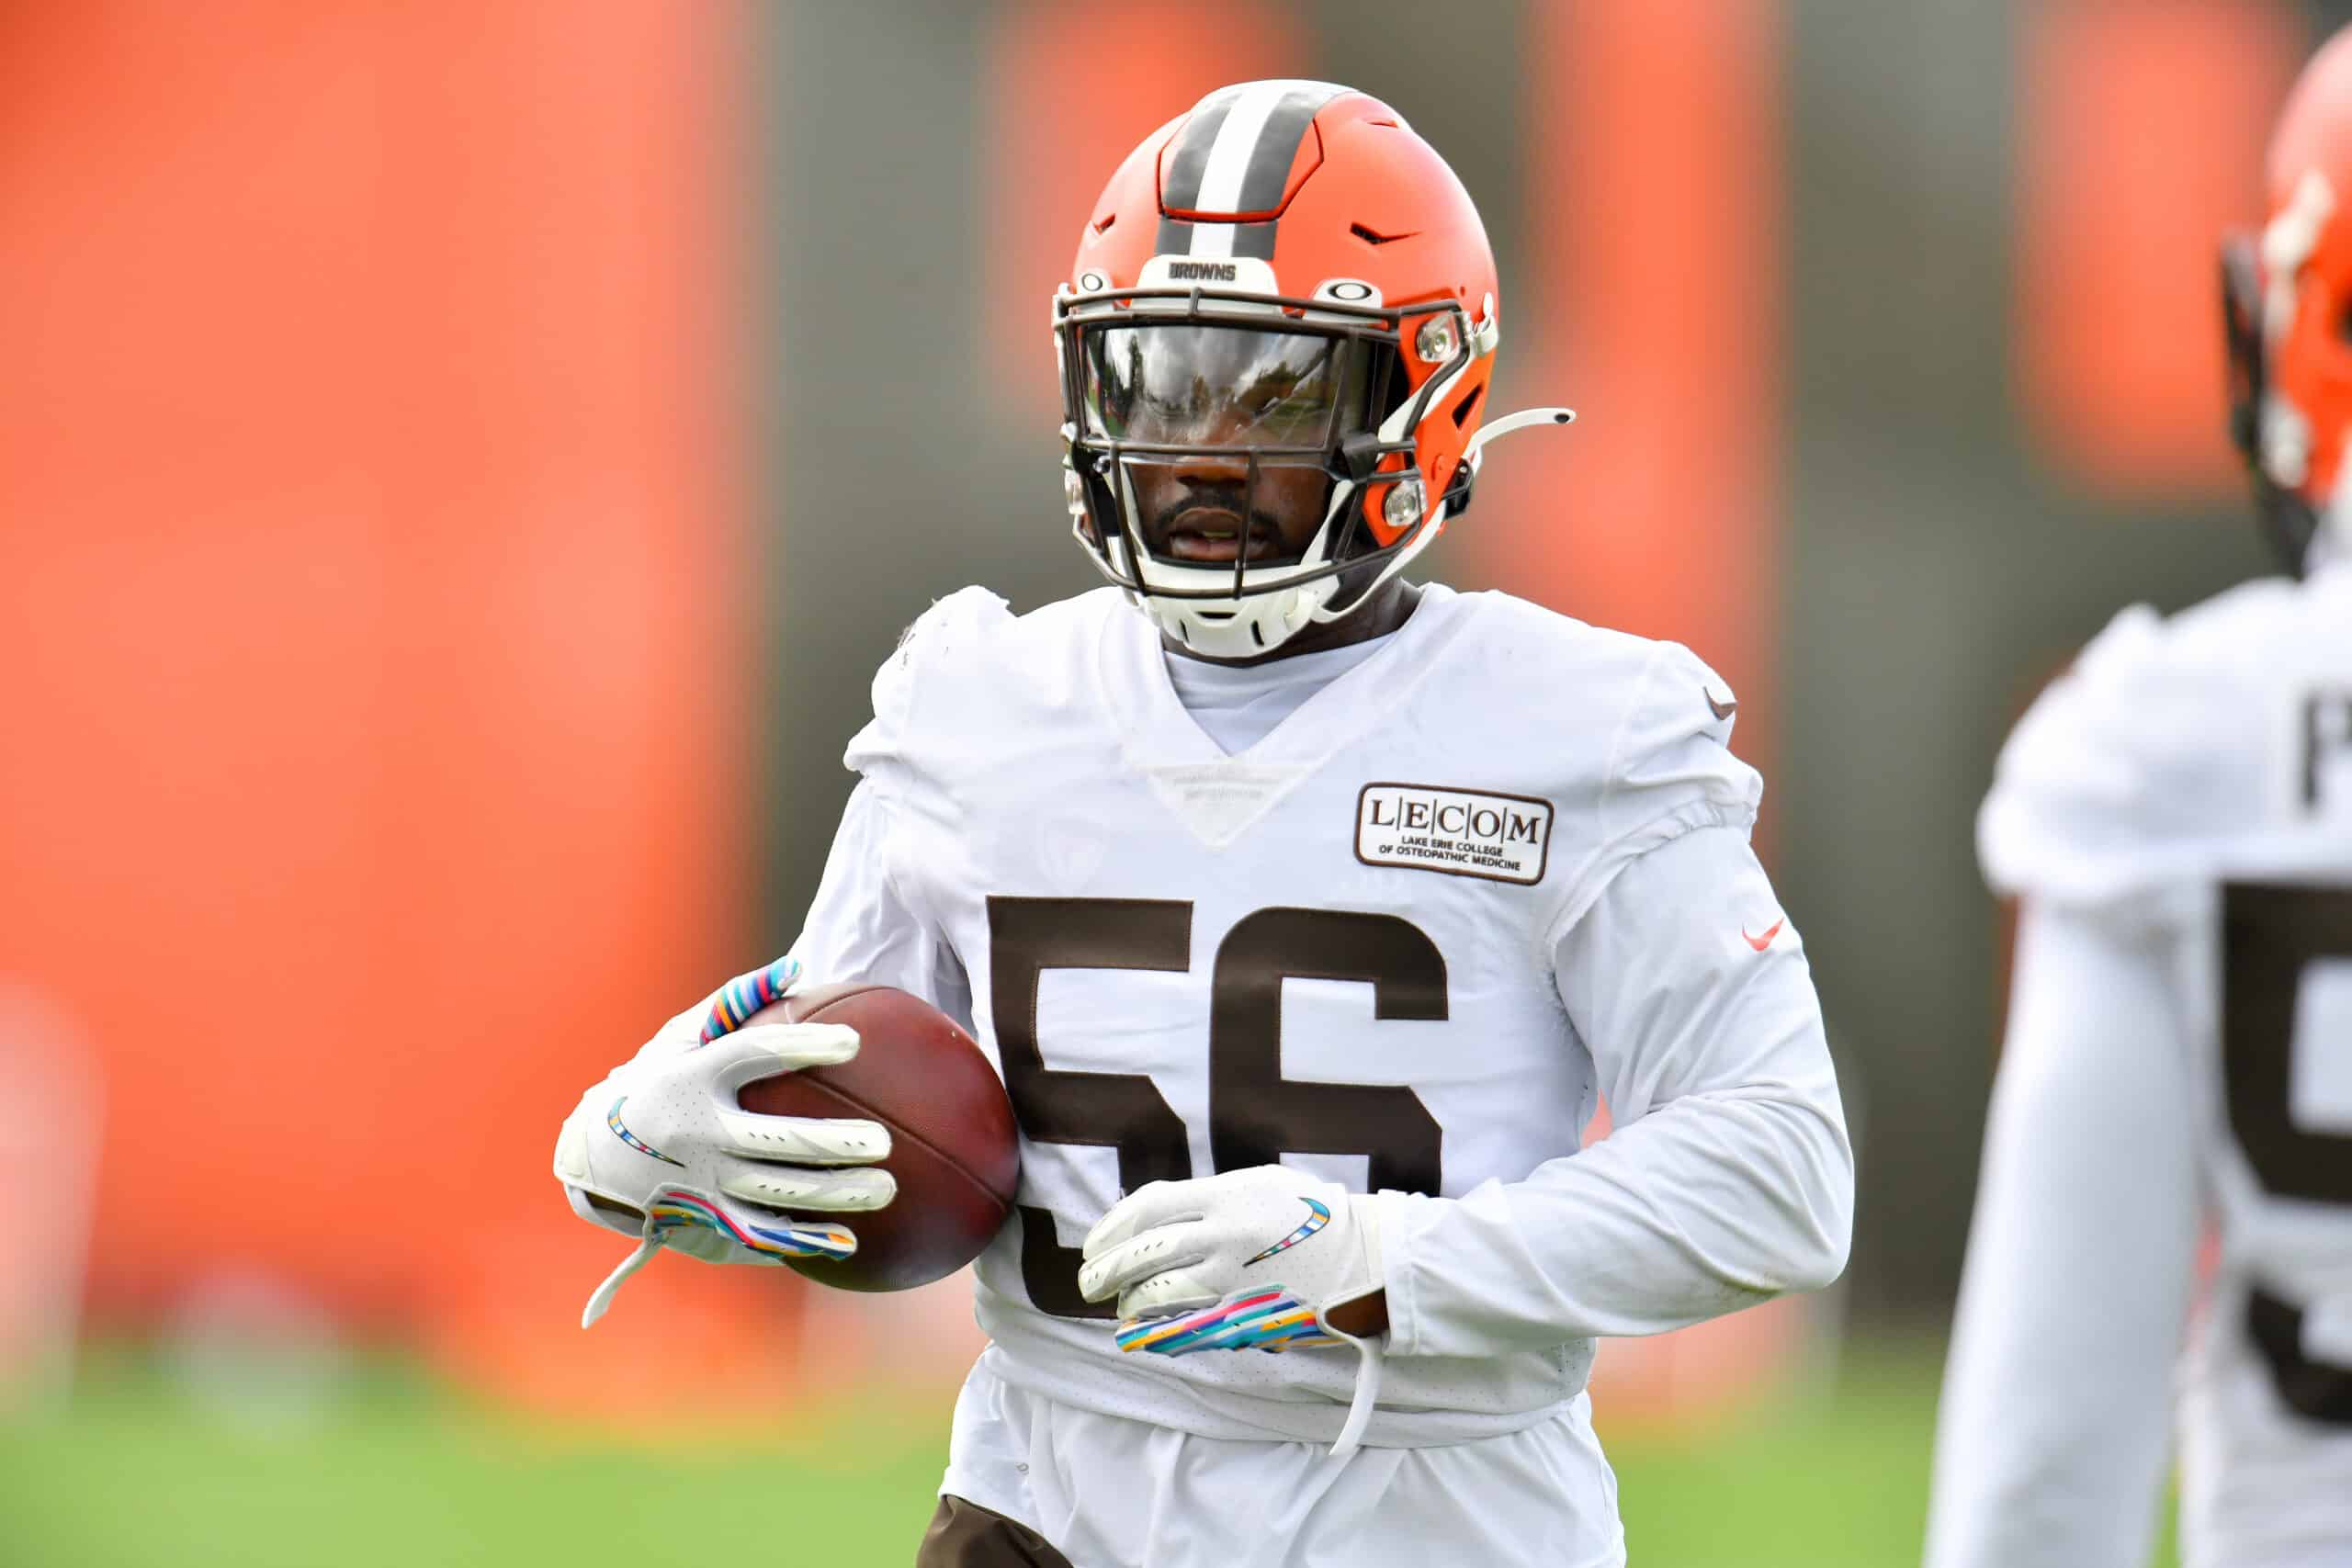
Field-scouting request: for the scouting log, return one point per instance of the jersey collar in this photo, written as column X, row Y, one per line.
column 1156, row 731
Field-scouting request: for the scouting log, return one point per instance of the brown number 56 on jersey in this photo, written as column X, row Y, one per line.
column 1255, row 1113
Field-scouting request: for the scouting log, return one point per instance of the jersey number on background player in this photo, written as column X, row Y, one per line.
column 2271, row 935
column 1255, row 1114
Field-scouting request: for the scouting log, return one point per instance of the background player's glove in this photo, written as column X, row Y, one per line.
column 660, row 1151
column 1246, row 1260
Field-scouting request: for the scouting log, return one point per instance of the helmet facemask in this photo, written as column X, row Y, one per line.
column 2260, row 422
column 1200, row 422
column 2287, row 315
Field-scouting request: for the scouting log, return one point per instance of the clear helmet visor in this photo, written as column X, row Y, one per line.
column 1221, row 439
column 1185, row 384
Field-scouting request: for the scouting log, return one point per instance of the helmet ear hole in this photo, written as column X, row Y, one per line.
column 1462, row 410
column 1390, row 384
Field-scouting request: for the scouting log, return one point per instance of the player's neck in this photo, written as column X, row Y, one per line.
column 1390, row 607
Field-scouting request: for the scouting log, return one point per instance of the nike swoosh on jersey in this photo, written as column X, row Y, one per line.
column 1761, row 942
column 1317, row 1216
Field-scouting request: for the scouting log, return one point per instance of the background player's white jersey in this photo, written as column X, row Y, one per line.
column 1342, row 949
column 2178, row 812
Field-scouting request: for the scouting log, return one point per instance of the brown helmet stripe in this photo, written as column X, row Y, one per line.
column 1277, row 147
column 1188, row 156
column 1234, row 155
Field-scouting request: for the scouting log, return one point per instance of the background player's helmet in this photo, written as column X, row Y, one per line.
column 1286, row 278
column 2287, row 309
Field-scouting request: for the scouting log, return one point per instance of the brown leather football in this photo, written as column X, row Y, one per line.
column 953, row 1148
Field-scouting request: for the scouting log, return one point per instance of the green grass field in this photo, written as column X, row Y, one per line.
column 398, row 1472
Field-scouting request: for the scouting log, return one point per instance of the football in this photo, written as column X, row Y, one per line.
column 954, row 1148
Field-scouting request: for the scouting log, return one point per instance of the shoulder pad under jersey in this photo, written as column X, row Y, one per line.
column 951, row 628
column 2150, row 765
column 1643, row 740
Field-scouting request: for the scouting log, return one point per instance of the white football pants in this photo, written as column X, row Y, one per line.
column 1110, row 1492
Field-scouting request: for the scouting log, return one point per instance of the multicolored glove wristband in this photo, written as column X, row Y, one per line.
column 747, row 994
column 1262, row 1320
column 1266, row 1320
column 678, row 1207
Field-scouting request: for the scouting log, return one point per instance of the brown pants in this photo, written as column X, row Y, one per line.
column 965, row 1535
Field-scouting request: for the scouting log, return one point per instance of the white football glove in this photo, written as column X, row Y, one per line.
column 1246, row 1261
column 661, row 1151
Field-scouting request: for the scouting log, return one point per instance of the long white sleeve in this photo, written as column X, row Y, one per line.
column 2051, row 1441
column 860, row 926
column 1728, row 1179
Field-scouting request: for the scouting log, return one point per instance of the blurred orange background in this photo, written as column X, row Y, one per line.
column 417, row 415
column 376, row 645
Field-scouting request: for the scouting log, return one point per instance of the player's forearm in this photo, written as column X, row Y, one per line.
column 862, row 927
column 1728, row 1179
column 1716, row 1203
column 859, row 928
column 2050, row 1440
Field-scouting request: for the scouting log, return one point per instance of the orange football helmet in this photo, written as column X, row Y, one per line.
column 2286, row 310
column 1286, row 280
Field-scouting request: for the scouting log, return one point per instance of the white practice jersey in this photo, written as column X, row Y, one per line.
column 1403, row 941
column 2178, row 814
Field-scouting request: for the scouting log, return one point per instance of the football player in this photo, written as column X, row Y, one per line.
column 2176, row 814
column 1307, row 911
